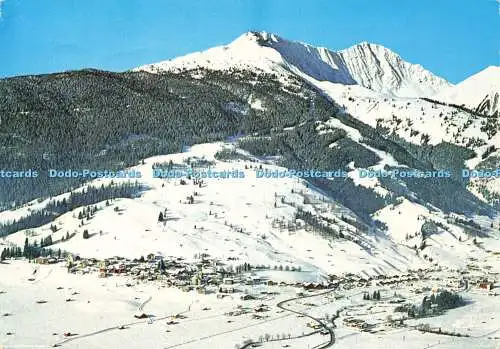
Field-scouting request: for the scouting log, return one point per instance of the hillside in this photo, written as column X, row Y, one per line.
column 263, row 221
column 480, row 92
column 94, row 119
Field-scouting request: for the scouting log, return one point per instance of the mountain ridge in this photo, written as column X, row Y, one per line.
column 479, row 92
column 369, row 65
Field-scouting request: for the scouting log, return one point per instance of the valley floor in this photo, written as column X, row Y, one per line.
column 51, row 307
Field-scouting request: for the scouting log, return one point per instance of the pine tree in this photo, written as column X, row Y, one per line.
column 160, row 217
column 161, row 265
column 85, row 234
column 26, row 252
column 426, row 304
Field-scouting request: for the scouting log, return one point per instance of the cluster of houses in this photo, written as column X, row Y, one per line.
column 485, row 284
column 173, row 271
column 304, row 285
column 47, row 260
column 205, row 275
column 356, row 323
column 240, row 310
column 474, row 281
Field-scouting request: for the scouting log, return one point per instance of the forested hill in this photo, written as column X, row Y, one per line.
column 99, row 119
column 103, row 120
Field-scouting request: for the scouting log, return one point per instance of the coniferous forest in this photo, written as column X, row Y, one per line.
column 89, row 196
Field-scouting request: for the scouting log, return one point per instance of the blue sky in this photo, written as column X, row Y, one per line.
column 452, row 38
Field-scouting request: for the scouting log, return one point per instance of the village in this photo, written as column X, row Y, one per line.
column 241, row 295
column 205, row 275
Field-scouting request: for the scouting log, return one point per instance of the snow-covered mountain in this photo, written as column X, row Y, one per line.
column 243, row 53
column 377, row 121
column 371, row 83
column 371, row 66
column 480, row 92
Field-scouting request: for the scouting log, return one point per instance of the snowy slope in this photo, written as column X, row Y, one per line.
column 369, row 81
column 480, row 92
column 243, row 53
column 379, row 69
column 409, row 118
column 231, row 218
column 241, row 219
column 412, row 119
column 422, row 122
column 372, row 66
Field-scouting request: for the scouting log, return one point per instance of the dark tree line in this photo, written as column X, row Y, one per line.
column 31, row 251
column 317, row 224
column 375, row 296
column 54, row 209
column 433, row 304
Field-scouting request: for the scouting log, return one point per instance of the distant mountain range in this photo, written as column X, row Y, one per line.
column 368, row 65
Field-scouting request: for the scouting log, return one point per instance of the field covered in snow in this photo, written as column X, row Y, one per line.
column 84, row 311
